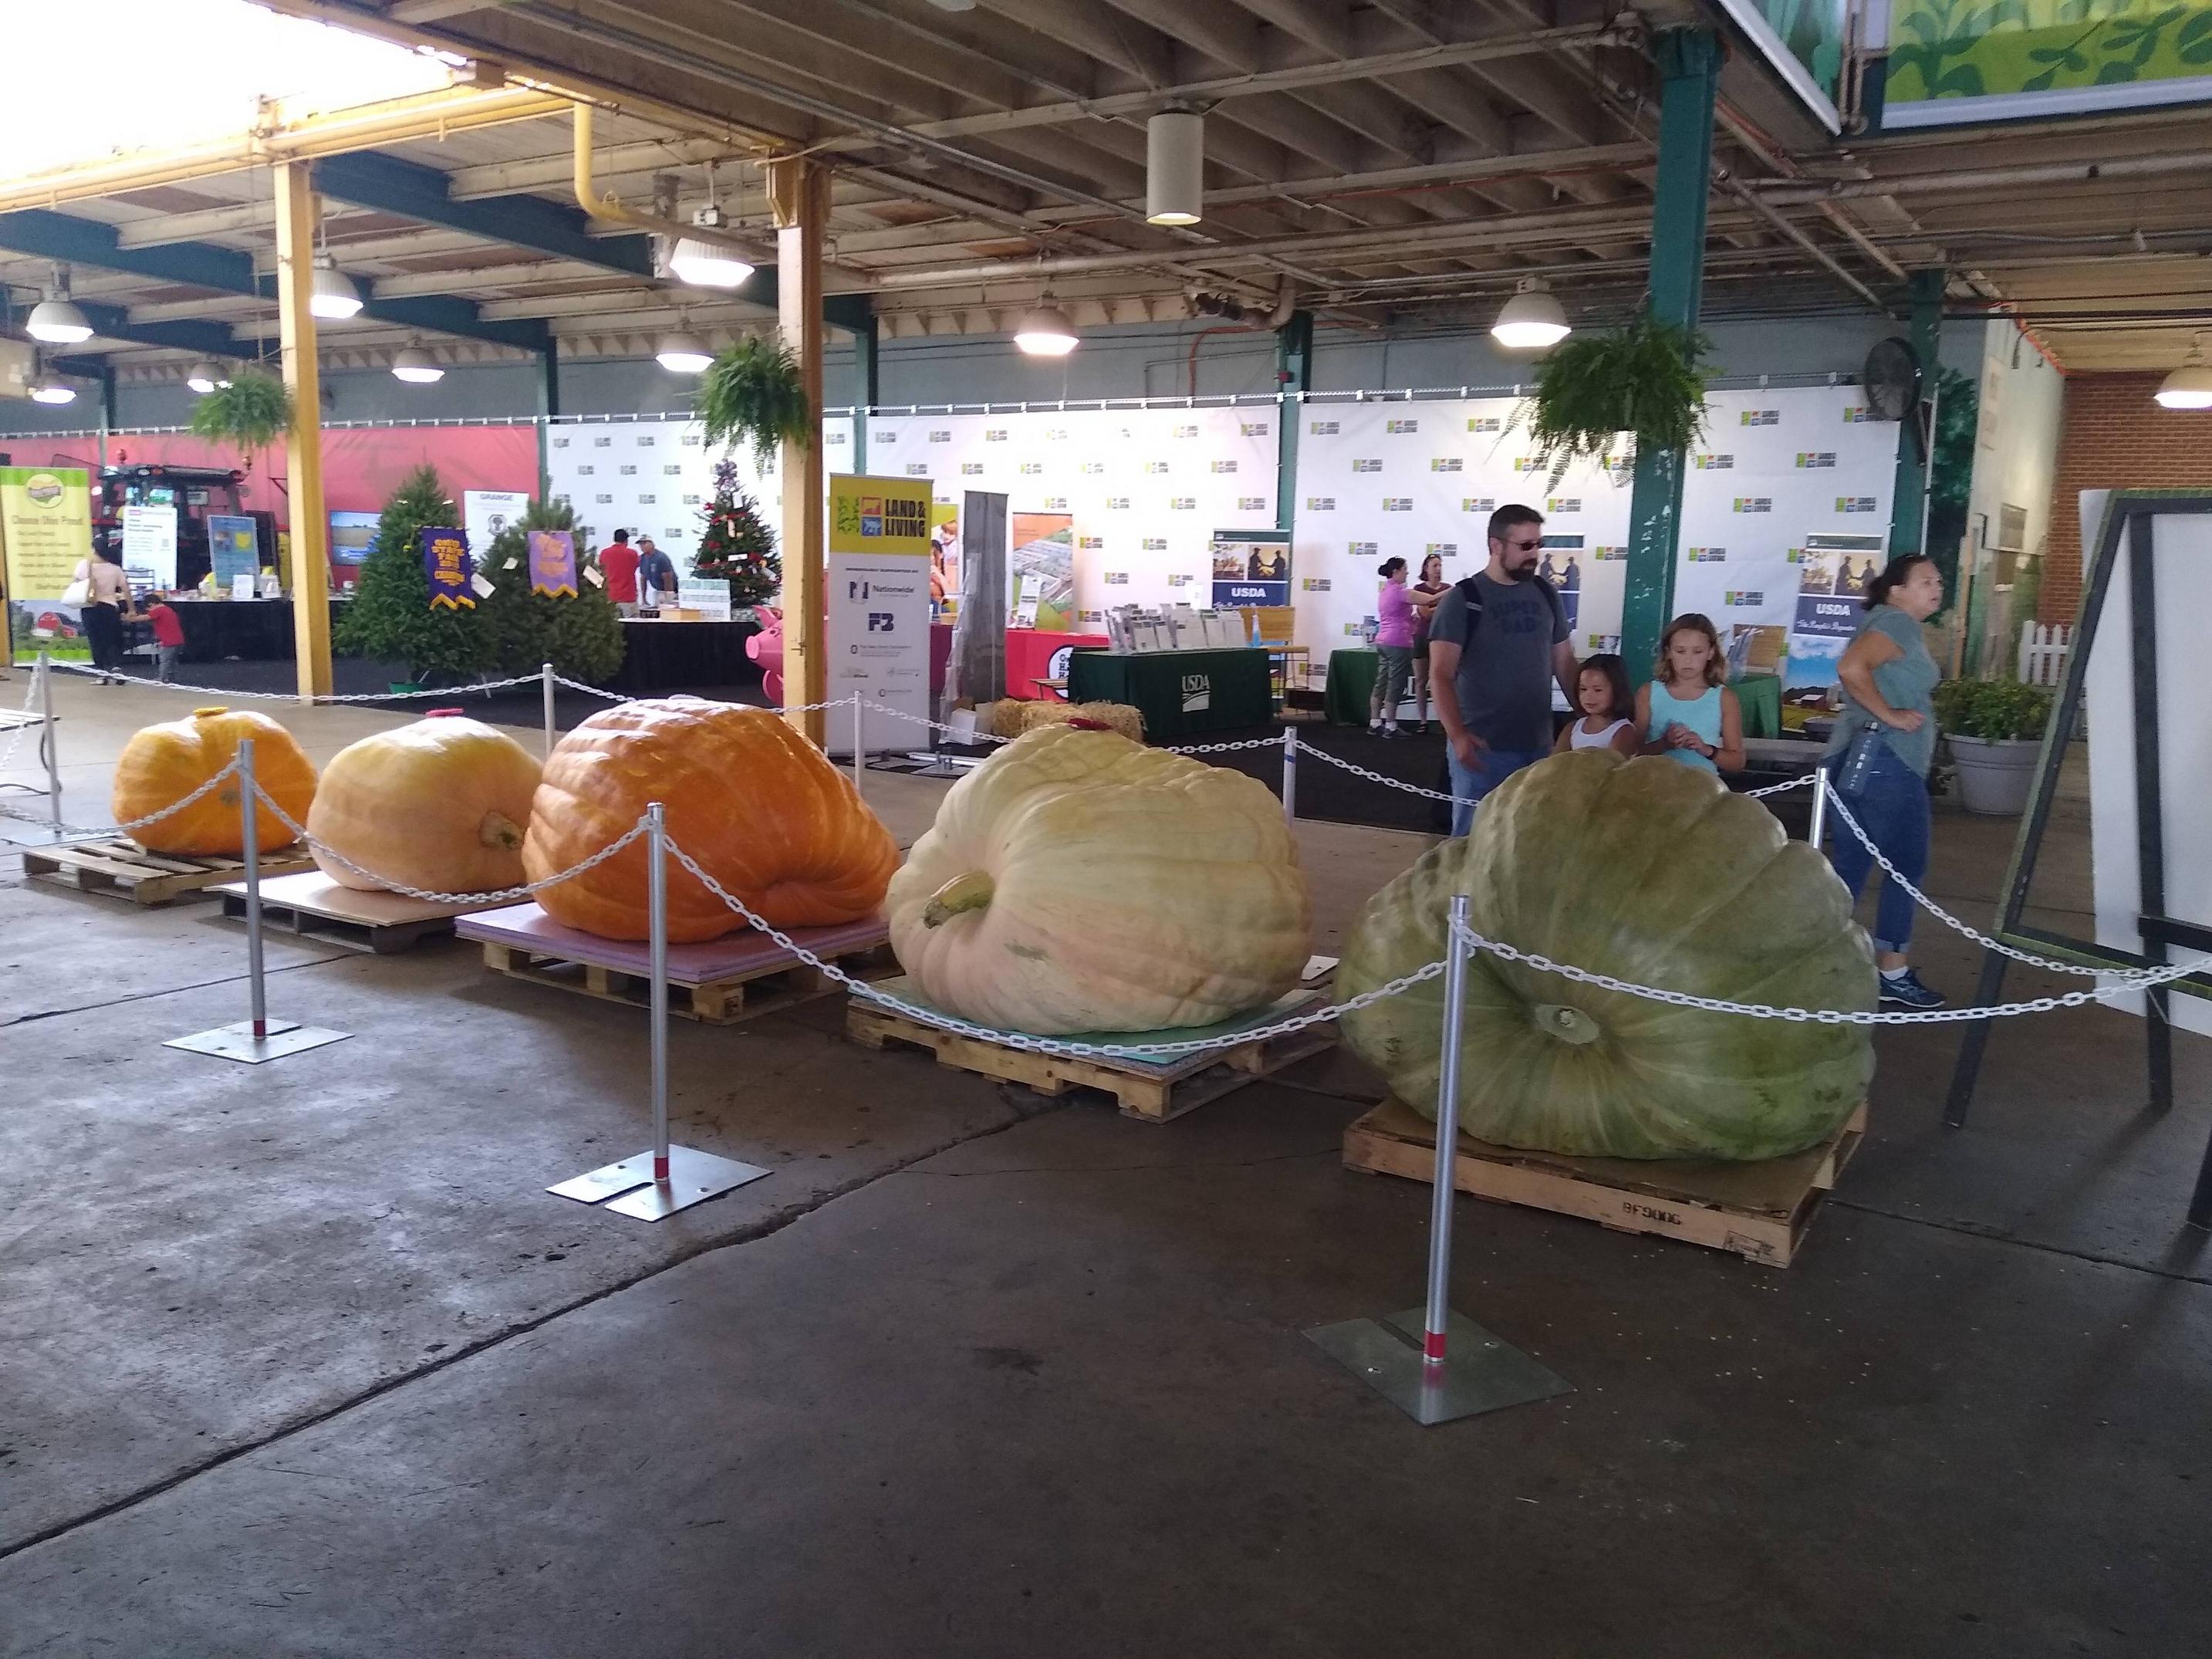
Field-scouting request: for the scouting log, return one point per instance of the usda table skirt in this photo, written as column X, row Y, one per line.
column 1178, row 692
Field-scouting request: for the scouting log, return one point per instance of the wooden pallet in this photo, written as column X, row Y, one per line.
column 314, row 906
column 737, row 977
column 1760, row 1211
column 124, row 868
column 1152, row 1091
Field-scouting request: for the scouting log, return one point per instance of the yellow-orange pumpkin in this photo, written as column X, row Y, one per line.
column 761, row 809
column 161, row 764
column 441, row 805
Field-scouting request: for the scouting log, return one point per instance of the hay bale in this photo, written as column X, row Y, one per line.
column 1116, row 716
column 1004, row 718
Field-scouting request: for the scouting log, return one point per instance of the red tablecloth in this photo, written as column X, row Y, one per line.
column 1033, row 653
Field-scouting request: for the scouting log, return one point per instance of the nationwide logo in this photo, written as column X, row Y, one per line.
column 1091, row 543
column 917, row 469
column 1716, row 462
column 1816, row 457
column 672, row 470
column 971, row 469
column 1401, row 426
column 994, row 435
column 1180, row 579
column 1032, row 469
column 1738, row 597
column 1754, row 504
column 1314, row 584
column 1477, row 503
column 1251, row 503
column 1055, row 503
column 1322, row 429
column 1160, row 467
column 1445, row 463
column 1484, row 424
column 1708, row 556
column 1225, row 466
column 1609, row 554
column 1155, row 544
column 1367, row 467
column 1186, row 432
column 1115, row 579
column 1321, row 503
column 1117, row 503
column 1854, row 504
column 1093, row 469
column 1857, row 414
column 1762, row 417
column 1363, row 549
column 1563, row 504
column 1397, row 503
column 1183, row 503
column 1252, row 428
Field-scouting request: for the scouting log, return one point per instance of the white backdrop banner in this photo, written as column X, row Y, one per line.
column 1145, row 488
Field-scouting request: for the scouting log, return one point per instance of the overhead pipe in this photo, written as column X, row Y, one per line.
column 1972, row 181
column 1826, row 261
column 609, row 209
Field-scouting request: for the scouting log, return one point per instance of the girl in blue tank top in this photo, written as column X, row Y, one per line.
column 1685, row 712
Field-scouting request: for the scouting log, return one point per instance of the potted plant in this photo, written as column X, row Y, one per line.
column 253, row 411
column 752, row 393
column 1994, row 730
column 1646, row 378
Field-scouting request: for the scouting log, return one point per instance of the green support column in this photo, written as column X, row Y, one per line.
column 1908, row 502
column 549, row 405
column 868, row 388
column 1293, row 375
column 109, row 418
column 1689, row 74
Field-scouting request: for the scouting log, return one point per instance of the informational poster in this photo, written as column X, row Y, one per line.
column 1040, row 571
column 485, row 513
column 553, row 563
column 447, row 565
column 149, row 546
column 234, row 548
column 1251, row 567
column 353, row 537
column 879, row 549
column 46, row 524
column 708, row 596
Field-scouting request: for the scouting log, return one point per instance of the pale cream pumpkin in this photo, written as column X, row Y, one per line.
column 1077, row 881
column 441, row 805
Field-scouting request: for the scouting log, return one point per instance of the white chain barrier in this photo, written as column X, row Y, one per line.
column 30, row 698
column 233, row 691
column 84, row 832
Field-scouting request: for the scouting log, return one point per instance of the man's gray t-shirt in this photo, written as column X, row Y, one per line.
column 1505, row 678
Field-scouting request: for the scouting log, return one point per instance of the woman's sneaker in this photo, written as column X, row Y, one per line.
column 1903, row 989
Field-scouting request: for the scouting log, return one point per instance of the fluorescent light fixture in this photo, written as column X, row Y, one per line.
column 50, row 389
column 683, row 353
column 1532, row 321
column 1045, row 331
column 2188, row 387
column 954, row 5
column 334, row 298
column 57, row 321
column 1175, row 169
column 707, row 264
column 205, row 375
column 416, row 366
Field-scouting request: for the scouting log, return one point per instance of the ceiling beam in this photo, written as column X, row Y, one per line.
column 388, row 185
column 113, row 323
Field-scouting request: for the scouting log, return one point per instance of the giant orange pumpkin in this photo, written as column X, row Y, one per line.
column 161, row 764
column 761, row 808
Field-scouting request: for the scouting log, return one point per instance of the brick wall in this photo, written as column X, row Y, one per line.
column 2114, row 438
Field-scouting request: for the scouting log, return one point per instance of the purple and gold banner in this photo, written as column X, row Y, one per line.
column 446, row 562
column 553, row 563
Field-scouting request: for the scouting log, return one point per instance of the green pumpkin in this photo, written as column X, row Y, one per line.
column 1650, row 871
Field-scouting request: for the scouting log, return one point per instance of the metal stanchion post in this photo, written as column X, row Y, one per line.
column 656, row 1184
column 261, row 1038
column 860, row 706
column 1402, row 1356
column 1290, row 776
column 546, row 670
column 1817, row 834
column 51, row 740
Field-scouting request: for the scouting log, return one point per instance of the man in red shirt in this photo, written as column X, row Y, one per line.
column 618, row 564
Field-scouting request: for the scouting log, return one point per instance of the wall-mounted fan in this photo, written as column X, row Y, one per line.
column 1892, row 378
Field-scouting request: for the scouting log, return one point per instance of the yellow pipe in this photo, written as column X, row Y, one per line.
column 429, row 115
column 609, row 209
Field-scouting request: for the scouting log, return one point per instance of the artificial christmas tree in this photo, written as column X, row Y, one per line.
column 736, row 545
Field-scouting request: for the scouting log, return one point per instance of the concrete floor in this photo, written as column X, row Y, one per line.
column 301, row 1360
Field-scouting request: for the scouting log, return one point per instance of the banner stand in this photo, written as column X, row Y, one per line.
column 1403, row 1358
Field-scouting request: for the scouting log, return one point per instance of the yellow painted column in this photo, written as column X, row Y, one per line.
column 798, row 192
column 297, row 210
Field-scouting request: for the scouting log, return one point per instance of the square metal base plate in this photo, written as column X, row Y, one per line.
column 1479, row 1373
column 693, row 1177
column 238, row 1042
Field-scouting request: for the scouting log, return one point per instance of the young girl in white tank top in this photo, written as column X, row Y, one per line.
column 1607, row 710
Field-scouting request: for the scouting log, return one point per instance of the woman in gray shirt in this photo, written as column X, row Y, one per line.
column 1889, row 685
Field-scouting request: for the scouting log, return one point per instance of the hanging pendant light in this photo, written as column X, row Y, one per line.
column 1174, row 167
column 56, row 320
column 416, row 366
column 333, row 297
column 205, row 375
column 52, row 389
column 1532, row 321
column 1045, row 331
column 683, row 353
column 2188, row 387
column 702, row 263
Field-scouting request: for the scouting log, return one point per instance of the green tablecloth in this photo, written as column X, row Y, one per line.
column 1178, row 692
column 1759, row 697
column 1351, row 684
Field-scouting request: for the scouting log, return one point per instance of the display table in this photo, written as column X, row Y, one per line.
column 1351, row 684
column 667, row 656
column 1178, row 692
column 252, row 630
column 1034, row 655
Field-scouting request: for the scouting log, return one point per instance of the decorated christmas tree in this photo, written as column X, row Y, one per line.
column 736, row 545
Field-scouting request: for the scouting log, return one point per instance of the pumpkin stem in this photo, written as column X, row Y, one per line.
column 213, row 709
column 499, row 831
column 971, row 891
column 1568, row 1025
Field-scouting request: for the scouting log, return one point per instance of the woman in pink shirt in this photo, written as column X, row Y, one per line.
column 1393, row 642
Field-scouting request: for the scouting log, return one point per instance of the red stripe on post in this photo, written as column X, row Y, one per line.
column 1432, row 1346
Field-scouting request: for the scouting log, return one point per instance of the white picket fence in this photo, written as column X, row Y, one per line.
column 2043, row 653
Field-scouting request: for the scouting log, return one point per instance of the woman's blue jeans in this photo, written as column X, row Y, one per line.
column 1893, row 810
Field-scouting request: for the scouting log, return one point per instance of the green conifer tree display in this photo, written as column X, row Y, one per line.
column 581, row 636
column 737, row 545
column 390, row 618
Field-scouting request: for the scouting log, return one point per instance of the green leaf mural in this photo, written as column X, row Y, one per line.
column 1958, row 49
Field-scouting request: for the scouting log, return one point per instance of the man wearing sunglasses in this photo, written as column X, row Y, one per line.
column 1499, row 642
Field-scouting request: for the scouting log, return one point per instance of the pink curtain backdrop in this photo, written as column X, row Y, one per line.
column 362, row 467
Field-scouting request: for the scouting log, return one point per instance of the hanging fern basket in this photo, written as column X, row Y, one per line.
column 751, row 393
column 1647, row 379
column 253, row 411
